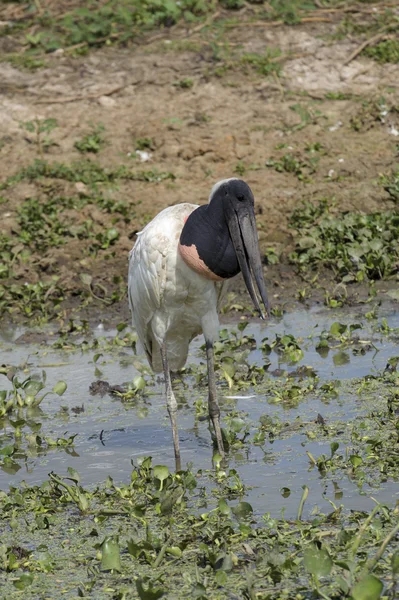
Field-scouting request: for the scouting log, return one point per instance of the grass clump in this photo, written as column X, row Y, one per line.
column 88, row 172
column 264, row 64
column 390, row 184
column 354, row 245
column 94, row 141
column 386, row 51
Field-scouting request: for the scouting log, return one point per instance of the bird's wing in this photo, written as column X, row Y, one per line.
column 148, row 268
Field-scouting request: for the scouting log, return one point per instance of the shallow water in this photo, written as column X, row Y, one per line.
column 110, row 433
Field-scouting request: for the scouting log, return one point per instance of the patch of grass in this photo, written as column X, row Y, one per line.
column 23, row 61
column 354, row 245
column 384, row 52
column 144, row 144
column 40, row 300
column 93, row 25
column 184, row 84
column 264, row 64
column 369, row 114
column 94, row 141
column 390, row 183
column 88, row 172
column 288, row 163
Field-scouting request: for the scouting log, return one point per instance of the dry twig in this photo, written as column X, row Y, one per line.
column 373, row 40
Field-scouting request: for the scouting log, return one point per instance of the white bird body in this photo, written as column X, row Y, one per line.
column 178, row 272
column 170, row 302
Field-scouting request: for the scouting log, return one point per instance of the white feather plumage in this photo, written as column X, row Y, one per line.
column 169, row 301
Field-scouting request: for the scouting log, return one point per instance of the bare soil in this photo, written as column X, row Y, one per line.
column 222, row 125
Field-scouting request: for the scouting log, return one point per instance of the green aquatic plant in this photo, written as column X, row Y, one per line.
column 355, row 246
column 25, row 393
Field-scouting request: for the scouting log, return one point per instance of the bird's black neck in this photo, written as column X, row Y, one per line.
column 206, row 228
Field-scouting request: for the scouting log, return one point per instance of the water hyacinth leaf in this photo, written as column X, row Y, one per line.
column 138, row 382
column 223, row 507
column 224, row 562
column 110, row 554
column 73, row 474
column 236, row 424
column 243, row 510
column 174, row 551
column 24, row 581
column 60, row 387
column 151, row 593
column 285, row 492
column 32, row 387
column 3, row 395
column 334, row 447
column 10, row 467
column 317, row 561
column 171, row 500
column 337, row 328
column 368, row 588
column 229, row 365
column 395, row 562
column 7, row 450
column 221, row 577
column 356, row 460
column 161, row 472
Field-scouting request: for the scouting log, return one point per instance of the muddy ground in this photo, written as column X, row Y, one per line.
column 207, row 116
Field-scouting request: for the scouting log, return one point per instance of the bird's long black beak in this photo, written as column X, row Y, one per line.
column 242, row 227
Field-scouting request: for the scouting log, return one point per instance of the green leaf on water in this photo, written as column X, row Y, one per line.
column 395, row 562
column 368, row 588
column 337, row 328
column 221, row 577
column 161, row 472
column 60, row 387
column 32, row 387
column 24, row 581
column 285, row 492
column 356, row 460
column 171, row 499
column 334, row 447
column 73, row 474
column 138, row 382
column 243, row 510
column 110, row 554
column 243, row 325
column 317, row 561
column 7, row 450
column 224, row 508
column 151, row 593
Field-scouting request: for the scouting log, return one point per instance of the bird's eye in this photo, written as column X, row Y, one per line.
column 240, row 197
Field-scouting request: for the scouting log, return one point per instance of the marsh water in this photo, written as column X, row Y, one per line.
column 111, row 433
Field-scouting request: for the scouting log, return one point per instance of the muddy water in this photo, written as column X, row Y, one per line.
column 110, row 434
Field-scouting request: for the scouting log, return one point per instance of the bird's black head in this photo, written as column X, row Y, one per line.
column 232, row 192
column 237, row 200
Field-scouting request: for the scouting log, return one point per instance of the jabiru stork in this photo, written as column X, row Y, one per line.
column 178, row 270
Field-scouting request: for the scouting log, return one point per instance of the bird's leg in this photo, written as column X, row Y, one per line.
column 171, row 405
column 214, row 410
